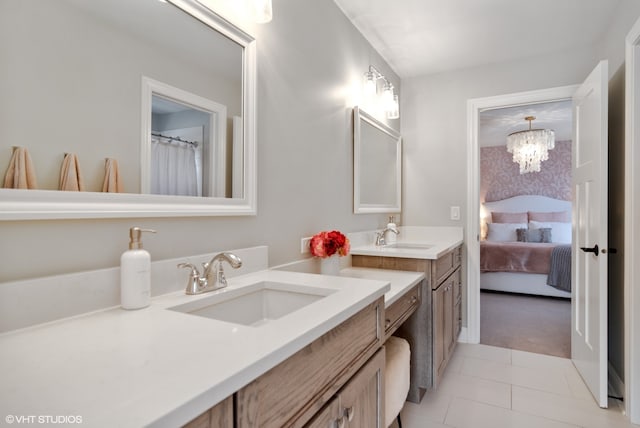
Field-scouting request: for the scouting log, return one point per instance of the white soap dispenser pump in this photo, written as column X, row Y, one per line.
column 135, row 272
column 392, row 231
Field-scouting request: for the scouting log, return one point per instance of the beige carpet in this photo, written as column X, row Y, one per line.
column 527, row 323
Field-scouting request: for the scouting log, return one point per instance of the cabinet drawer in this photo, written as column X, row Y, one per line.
column 446, row 264
column 289, row 394
column 401, row 309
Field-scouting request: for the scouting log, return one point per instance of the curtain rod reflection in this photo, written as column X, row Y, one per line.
column 193, row 143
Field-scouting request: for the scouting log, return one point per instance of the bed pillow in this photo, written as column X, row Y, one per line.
column 557, row 216
column 534, row 235
column 504, row 232
column 497, row 217
column 560, row 231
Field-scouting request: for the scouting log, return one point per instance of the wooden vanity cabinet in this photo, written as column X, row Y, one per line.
column 433, row 329
column 446, row 322
column 335, row 368
column 357, row 404
column 398, row 312
column 219, row 416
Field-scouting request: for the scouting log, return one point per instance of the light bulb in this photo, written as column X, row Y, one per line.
column 394, row 113
column 387, row 97
column 370, row 87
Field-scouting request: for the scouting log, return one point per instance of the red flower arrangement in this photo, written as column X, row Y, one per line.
column 326, row 244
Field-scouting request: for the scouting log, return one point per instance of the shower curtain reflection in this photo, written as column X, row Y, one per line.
column 175, row 168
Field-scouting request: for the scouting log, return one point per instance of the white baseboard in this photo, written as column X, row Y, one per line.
column 616, row 385
column 464, row 335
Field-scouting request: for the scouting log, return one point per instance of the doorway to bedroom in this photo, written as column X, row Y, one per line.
column 525, row 232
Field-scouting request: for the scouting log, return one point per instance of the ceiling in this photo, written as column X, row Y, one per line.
column 496, row 124
column 419, row 37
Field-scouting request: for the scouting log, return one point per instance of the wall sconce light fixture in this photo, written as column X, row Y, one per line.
column 388, row 99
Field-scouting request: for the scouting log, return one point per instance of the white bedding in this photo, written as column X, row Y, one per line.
column 528, row 283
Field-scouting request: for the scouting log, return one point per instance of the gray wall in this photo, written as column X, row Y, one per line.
column 307, row 69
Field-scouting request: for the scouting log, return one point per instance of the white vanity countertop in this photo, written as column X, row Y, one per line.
column 158, row 367
column 400, row 281
column 438, row 239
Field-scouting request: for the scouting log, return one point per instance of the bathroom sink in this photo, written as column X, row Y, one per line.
column 409, row 246
column 256, row 304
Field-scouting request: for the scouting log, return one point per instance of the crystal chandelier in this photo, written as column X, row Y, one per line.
column 530, row 147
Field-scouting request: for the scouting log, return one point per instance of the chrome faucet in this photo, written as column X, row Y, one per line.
column 380, row 239
column 211, row 278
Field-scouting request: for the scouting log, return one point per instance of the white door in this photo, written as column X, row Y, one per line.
column 589, row 274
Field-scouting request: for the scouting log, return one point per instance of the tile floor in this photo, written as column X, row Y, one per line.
column 486, row 386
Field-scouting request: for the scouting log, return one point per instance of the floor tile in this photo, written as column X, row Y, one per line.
column 465, row 413
column 484, row 352
column 477, row 389
column 539, row 361
column 576, row 411
column 550, row 380
column 576, row 385
column 433, row 407
column 485, row 386
column 455, row 363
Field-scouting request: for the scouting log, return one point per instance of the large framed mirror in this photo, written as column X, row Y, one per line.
column 377, row 165
column 111, row 81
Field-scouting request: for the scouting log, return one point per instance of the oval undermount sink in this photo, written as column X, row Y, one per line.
column 409, row 246
column 256, row 304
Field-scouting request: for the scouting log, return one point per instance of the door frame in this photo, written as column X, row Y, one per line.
column 474, row 106
column 632, row 231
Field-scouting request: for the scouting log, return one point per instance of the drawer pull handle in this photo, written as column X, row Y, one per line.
column 387, row 323
column 414, row 299
column 341, row 422
column 349, row 413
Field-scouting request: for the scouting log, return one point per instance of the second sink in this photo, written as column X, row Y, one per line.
column 255, row 304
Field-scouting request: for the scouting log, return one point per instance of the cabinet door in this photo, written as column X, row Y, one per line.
column 438, row 300
column 329, row 417
column 457, row 308
column 447, row 318
column 362, row 399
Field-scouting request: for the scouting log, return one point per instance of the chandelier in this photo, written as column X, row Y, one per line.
column 530, row 147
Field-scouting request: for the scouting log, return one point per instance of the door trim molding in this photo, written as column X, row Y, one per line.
column 474, row 107
column 632, row 231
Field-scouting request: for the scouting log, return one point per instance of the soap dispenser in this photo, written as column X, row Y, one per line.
column 135, row 272
column 391, row 231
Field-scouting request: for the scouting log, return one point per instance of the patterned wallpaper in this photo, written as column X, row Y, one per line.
column 500, row 177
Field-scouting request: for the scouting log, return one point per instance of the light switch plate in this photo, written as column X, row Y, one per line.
column 304, row 245
column 455, row 213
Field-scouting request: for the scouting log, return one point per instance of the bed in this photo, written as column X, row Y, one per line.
column 526, row 245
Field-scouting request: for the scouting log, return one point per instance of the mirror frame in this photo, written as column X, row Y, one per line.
column 48, row 204
column 360, row 116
